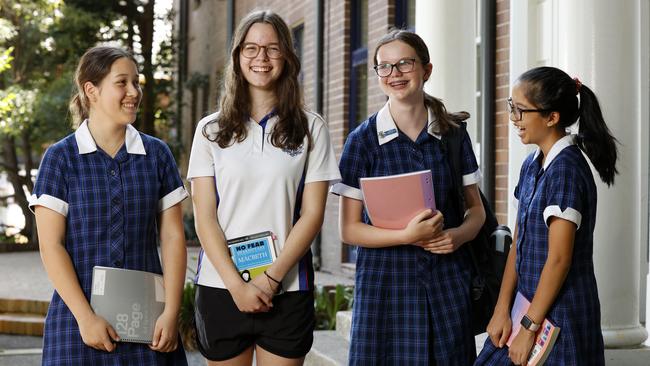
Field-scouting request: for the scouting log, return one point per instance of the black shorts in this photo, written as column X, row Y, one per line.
column 223, row 332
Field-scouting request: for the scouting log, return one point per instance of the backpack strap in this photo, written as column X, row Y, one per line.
column 451, row 142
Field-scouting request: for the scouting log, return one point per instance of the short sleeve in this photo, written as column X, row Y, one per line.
column 564, row 194
column 51, row 188
column 471, row 172
column 201, row 163
column 353, row 165
column 172, row 190
column 321, row 161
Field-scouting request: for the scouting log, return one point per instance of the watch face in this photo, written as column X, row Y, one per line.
column 527, row 323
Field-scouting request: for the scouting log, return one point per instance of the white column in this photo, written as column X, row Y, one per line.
column 448, row 29
column 599, row 43
column 523, row 47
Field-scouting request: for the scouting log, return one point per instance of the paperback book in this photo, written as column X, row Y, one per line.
column 392, row 201
column 545, row 337
column 253, row 254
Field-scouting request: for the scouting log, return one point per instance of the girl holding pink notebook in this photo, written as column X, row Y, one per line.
column 412, row 288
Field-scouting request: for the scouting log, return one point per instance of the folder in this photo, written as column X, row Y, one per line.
column 131, row 301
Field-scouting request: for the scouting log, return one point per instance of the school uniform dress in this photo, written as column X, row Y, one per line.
column 563, row 187
column 411, row 307
column 111, row 207
column 259, row 188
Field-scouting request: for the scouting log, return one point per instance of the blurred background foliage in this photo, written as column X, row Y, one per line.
column 41, row 42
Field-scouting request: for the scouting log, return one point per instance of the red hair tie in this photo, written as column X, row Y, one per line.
column 578, row 85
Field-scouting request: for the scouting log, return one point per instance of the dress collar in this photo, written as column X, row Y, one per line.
column 557, row 147
column 387, row 129
column 86, row 142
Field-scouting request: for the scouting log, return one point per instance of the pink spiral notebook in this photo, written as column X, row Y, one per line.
column 392, row 201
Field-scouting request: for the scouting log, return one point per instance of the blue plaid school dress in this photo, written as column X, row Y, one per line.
column 411, row 307
column 563, row 187
column 111, row 207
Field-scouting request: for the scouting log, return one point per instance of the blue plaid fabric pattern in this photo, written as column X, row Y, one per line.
column 111, row 221
column 566, row 182
column 411, row 307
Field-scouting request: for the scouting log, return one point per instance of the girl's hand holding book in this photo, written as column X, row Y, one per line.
column 423, row 227
column 268, row 286
column 165, row 335
column 521, row 346
column 250, row 299
column 97, row 333
column 444, row 243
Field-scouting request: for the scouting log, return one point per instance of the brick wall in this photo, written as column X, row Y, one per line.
column 206, row 56
column 502, row 75
column 336, row 77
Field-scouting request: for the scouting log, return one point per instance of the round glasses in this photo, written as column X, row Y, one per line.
column 404, row 65
column 516, row 113
column 251, row 50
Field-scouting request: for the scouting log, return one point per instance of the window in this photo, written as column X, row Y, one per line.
column 358, row 99
column 298, row 45
column 405, row 14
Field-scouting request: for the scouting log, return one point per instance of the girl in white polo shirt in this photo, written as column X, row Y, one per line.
column 262, row 163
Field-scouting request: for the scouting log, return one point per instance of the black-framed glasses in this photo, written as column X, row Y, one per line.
column 251, row 50
column 404, row 66
column 516, row 113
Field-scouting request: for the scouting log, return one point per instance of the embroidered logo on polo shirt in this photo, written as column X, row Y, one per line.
column 383, row 134
column 294, row 152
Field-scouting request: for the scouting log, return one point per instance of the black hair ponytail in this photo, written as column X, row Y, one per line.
column 552, row 89
column 595, row 138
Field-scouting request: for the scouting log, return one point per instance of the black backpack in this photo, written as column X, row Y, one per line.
column 488, row 263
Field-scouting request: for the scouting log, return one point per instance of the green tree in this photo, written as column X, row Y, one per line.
column 24, row 24
column 41, row 42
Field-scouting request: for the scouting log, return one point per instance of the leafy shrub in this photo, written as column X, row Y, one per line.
column 328, row 300
column 186, row 317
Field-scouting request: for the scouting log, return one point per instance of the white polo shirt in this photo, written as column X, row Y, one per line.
column 259, row 185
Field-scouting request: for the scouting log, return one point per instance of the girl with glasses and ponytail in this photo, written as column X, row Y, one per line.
column 551, row 259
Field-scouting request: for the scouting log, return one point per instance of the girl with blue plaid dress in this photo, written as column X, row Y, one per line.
column 105, row 196
column 412, row 286
column 552, row 264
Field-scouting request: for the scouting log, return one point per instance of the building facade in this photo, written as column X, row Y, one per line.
column 478, row 48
